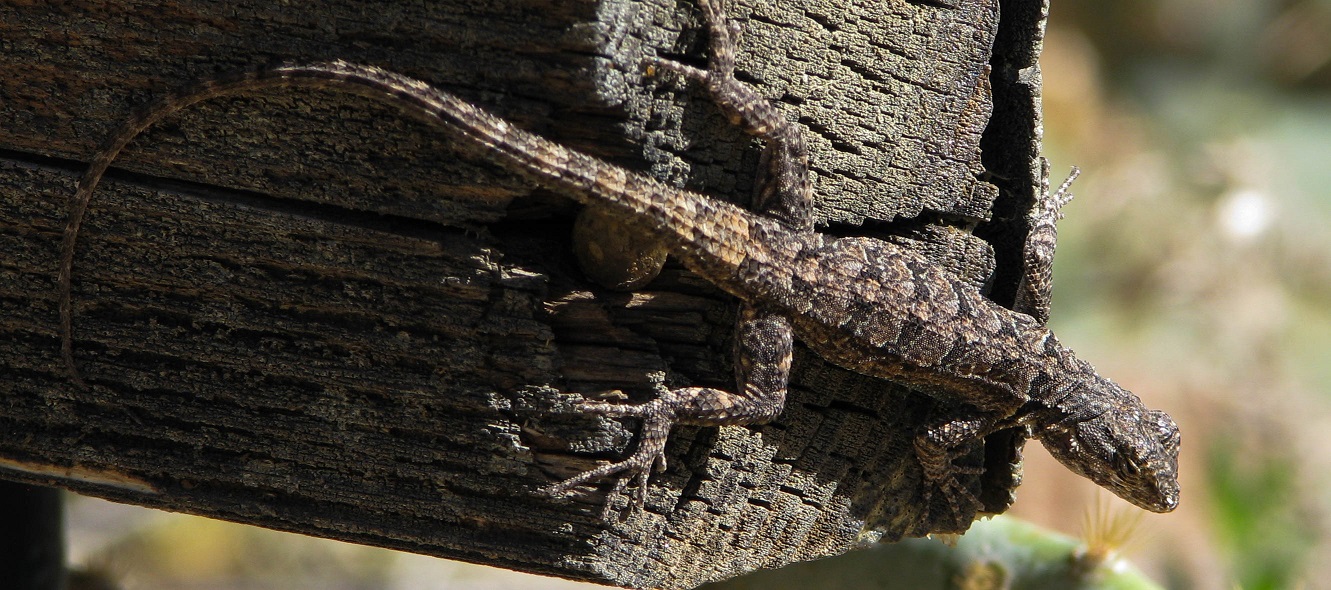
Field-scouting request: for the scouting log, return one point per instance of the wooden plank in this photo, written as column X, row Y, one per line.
column 303, row 312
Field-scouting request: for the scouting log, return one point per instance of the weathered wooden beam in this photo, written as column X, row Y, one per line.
column 302, row 311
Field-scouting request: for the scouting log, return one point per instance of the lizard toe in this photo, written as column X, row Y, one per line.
column 638, row 467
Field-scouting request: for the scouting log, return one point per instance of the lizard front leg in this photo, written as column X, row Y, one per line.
column 1033, row 298
column 938, row 446
column 1037, row 278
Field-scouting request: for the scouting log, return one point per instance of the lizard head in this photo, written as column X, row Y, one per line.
column 1127, row 449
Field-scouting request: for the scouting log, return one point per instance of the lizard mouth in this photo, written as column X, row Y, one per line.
column 1165, row 500
column 1152, row 488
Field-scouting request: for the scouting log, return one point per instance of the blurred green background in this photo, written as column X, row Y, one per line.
column 1197, row 266
column 1194, row 267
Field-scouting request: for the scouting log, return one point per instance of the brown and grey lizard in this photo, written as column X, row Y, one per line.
column 862, row 303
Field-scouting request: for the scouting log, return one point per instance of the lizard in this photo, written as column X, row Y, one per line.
column 859, row 302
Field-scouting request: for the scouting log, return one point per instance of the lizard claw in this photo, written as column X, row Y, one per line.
column 687, row 71
column 960, row 501
column 657, row 418
column 721, row 55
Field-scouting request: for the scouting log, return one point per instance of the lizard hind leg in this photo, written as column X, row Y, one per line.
column 783, row 189
column 690, row 405
column 763, row 356
column 764, row 339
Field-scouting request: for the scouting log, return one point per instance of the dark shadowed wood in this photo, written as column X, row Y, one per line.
column 305, row 312
column 32, row 548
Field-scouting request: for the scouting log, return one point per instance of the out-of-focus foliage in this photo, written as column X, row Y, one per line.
column 1195, row 265
column 1002, row 553
column 1265, row 542
column 130, row 548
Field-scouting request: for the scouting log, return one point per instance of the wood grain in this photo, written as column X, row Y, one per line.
column 301, row 311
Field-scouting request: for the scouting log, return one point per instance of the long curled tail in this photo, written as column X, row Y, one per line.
column 684, row 217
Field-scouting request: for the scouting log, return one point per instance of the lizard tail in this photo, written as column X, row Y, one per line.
column 708, row 234
column 683, row 217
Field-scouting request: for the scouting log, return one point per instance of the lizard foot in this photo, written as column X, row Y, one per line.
column 657, row 418
column 941, row 477
column 960, row 501
column 701, row 406
column 741, row 104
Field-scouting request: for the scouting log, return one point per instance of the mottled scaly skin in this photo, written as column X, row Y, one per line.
column 861, row 303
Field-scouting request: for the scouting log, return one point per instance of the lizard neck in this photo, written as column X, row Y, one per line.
column 1070, row 391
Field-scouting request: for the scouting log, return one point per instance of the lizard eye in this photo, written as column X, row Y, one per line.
column 1126, row 466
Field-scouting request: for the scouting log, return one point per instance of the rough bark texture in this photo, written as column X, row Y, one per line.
column 304, row 312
